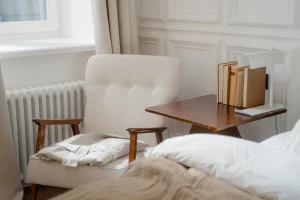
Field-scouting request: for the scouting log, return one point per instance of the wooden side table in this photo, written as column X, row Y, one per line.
column 208, row 116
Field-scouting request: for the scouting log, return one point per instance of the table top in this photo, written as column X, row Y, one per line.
column 206, row 112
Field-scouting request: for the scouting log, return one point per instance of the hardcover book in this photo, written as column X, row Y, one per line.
column 254, row 87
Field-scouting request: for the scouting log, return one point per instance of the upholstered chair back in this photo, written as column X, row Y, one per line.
column 119, row 87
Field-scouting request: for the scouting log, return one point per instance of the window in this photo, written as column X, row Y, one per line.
column 28, row 16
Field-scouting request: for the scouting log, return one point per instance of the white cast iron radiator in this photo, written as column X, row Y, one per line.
column 53, row 101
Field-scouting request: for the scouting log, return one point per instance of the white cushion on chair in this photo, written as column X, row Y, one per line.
column 119, row 87
column 54, row 174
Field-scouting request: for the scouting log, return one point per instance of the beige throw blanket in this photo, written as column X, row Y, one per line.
column 159, row 178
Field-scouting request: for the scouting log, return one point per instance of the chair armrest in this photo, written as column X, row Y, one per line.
column 134, row 134
column 42, row 123
column 146, row 130
column 56, row 121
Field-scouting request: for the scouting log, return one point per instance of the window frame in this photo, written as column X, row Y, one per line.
column 23, row 27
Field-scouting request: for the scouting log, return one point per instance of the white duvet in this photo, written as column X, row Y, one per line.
column 256, row 168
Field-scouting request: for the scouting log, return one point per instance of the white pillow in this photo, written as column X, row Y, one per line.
column 256, row 168
column 293, row 142
column 277, row 140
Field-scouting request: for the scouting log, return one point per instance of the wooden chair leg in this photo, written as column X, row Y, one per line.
column 75, row 129
column 34, row 188
column 133, row 147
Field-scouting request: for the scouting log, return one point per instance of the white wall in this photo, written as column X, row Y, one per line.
column 203, row 33
column 76, row 19
column 43, row 70
column 75, row 22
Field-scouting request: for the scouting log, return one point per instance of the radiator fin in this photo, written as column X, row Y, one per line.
column 52, row 101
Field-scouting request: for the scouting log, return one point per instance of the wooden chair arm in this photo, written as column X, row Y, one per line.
column 146, row 130
column 56, row 121
column 134, row 135
column 42, row 123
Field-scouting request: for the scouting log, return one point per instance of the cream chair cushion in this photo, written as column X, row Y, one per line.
column 119, row 87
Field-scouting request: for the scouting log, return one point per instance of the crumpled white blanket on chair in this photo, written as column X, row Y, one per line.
column 102, row 150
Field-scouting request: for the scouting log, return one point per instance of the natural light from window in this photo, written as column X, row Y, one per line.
column 23, row 10
column 28, row 16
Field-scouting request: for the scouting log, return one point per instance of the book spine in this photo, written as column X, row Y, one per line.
column 220, row 83
column 233, row 80
column 245, row 88
column 239, row 89
column 226, row 84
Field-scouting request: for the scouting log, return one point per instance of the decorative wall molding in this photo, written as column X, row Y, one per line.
column 152, row 9
column 192, row 45
column 234, row 51
column 198, row 70
column 205, row 11
column 262, row 13
column 212, row 47
column 149, row 41
column 249, row 26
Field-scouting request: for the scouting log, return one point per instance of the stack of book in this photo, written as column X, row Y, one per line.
column 241, row 86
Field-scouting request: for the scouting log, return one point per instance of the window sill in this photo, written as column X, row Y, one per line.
column 24, row 48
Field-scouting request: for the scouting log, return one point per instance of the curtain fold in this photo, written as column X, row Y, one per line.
column 10, row 185
column 115, row 26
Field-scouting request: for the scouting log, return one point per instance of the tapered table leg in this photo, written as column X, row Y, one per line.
column 234, row 132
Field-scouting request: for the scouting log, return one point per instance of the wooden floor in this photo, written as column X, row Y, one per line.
column 44, row 192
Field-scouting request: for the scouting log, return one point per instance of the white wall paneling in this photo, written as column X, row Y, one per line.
column 152, row 9
column 194, row 10
column 262, row 12
column 199, row 54
column 233, row 52
column 152, row 42
column 149, row 46
column 204, row 32
column 196, row 57
column 293, row 96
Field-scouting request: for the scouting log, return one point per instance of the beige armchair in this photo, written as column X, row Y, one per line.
column 118, row 88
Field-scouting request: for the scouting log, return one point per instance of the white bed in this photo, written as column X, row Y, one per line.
column 262, row 169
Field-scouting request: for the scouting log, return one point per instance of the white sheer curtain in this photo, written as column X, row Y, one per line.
column 115, row 26
column 23, row 10
column 10, row 185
